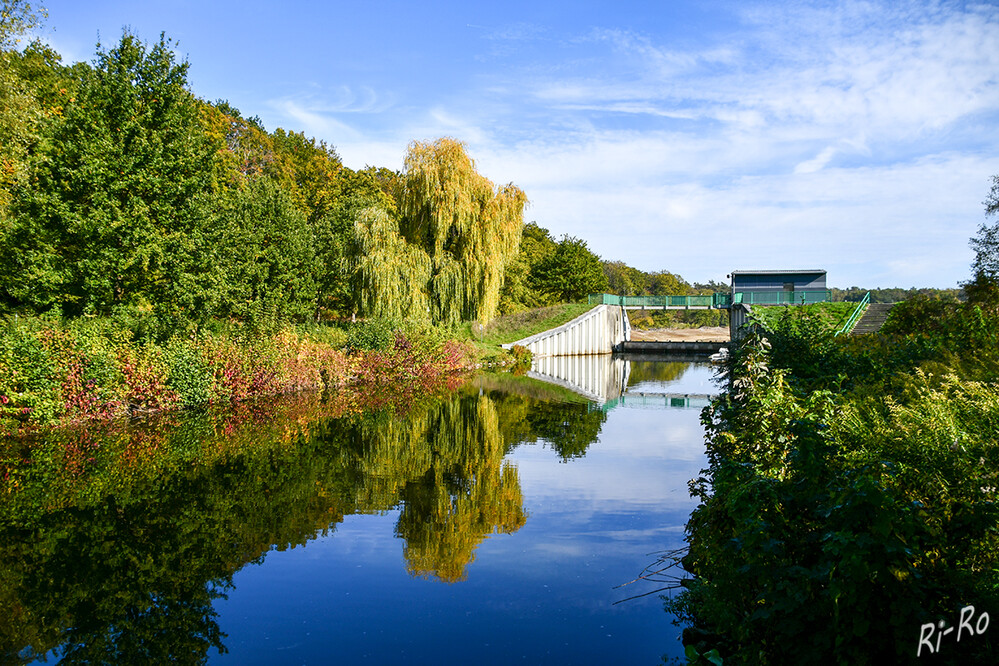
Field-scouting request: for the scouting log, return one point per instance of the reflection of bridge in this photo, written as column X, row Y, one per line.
column 641, row 400
column 604, row 380
column 596, row 377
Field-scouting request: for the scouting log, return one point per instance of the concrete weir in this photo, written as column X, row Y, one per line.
column 672, row 348
column 597, row 331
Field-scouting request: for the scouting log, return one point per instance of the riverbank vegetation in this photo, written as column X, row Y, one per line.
column 850, row 503
column 83, row 369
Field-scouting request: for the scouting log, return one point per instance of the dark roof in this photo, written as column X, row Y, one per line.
column 782, row 272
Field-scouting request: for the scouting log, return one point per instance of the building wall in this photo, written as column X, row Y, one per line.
column 776, row 281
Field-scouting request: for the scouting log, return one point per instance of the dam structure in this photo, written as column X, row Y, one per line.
column 605, row 329
column 598, row 331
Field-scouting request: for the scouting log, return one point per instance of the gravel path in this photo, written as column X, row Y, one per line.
column 704, row 334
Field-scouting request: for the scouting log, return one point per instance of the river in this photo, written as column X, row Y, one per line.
column 492, row 523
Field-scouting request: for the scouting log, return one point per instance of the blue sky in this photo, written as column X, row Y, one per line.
column 694, row 137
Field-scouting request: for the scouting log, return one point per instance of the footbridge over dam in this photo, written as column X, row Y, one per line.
column 605, row 329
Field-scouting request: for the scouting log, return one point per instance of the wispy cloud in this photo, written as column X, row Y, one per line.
column 314, row 121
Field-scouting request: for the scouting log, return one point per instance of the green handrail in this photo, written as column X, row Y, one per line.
column 717, row 300
column 779, row 297
column 855, row 316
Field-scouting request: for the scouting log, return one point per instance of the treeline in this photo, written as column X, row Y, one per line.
column 625, row 280
column 122, row 194
column 894, row 295
column 546, row 272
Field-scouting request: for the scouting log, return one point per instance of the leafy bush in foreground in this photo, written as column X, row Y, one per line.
column 850, row 498
column 85, row 369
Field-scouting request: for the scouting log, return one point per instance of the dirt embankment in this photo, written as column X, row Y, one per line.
column 703, row 334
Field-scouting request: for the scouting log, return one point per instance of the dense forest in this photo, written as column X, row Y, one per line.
column 126, row 194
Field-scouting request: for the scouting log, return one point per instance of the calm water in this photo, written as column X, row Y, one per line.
column 490, row 524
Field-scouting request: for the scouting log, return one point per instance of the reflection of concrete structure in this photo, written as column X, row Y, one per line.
column 597, row 378
column 635, row 400
column 604, row 380
column 597, row 331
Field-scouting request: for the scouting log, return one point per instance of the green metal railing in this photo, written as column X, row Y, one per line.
column 802, row 297
column 717, row 300
column 855, row 316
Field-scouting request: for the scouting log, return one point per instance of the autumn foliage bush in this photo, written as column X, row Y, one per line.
column 52, row 371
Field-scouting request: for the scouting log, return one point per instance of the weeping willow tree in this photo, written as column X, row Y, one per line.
column 465, row 227
column 391, row 272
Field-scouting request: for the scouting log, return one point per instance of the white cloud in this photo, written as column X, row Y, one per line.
column 313, row 121
column 817, row 163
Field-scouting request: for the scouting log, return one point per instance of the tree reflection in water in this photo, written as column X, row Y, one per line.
column 115, row 542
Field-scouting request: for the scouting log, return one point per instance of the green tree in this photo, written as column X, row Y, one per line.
column 310, row 171
column 570, row 272
column 17, row 17
column 20, row 112
column 623, row 279
column 392, row 273
column 338, row 253
column 664, row 283
column 983, row 288
column 519, row 293
column 260, row 257
column 115, row 188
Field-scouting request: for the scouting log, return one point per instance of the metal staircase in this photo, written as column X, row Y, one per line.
column 873, row 318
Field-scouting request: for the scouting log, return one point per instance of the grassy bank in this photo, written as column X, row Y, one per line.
column 510, row 328
column 54, row 371
column 830, row 315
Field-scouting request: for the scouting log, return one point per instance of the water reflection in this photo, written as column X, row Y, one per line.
column 623, row 380
column 115, row 544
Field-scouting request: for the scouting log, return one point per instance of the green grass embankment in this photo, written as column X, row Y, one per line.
column 513, row 327
column 831, row 316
